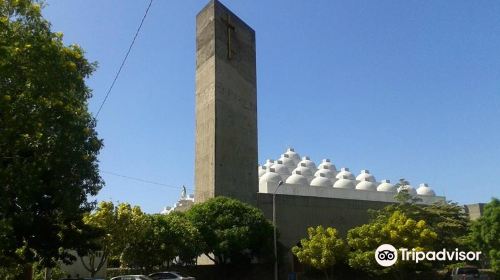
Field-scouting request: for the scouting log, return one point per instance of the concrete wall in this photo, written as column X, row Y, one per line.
column 475, row 211
column 299, row 207
column 294, row 214
column 226, row 106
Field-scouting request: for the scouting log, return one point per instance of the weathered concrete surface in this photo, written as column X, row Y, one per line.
column 226, row 106
column 475, row 211
column 294, row 214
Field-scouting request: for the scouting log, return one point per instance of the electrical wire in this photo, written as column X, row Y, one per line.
column 124, row 59
column 143, row 180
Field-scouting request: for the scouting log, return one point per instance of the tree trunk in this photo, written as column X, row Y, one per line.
column 48, row 273
column 326, row 274
column 91, row 267
column 28, row 271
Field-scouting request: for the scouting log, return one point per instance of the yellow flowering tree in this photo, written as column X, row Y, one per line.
column 322, row 249
column 397, row 230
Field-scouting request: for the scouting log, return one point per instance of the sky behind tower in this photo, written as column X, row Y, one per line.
column 406, row 89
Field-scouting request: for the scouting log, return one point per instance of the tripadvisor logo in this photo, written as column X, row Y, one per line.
column 386, row 255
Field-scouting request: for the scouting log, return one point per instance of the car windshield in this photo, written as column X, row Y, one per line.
column 182, row 274
column 157, row 275
column 468, row 270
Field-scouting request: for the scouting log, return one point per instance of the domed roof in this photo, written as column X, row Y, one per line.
column 386, row 186
column 262, row 170
column 288, row 162
column 270, row 177
column 327, row 162
column 304, row 170
column 321, row 181
column 411, row 190
column 366, row 185
column 365, row 174
column 325, row 169
column 297, row 179
column 290, row 153
column 309, row 163
column 281, row 169
column 344, row 172
column 344, row 183
column 269, row 163
column 425, row 190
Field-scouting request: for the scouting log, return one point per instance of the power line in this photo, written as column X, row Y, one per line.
column 143, row 180
column 124, row 59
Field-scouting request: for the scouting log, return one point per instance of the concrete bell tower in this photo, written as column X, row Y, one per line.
column 226, row 106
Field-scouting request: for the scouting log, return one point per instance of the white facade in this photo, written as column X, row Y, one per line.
column 301, row 176
column 78, row 270
column 185, row 202
column 324, row 181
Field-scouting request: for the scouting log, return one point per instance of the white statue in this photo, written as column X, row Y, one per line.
column 183, row 193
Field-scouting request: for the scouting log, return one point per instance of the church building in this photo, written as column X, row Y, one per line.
column 226, row 156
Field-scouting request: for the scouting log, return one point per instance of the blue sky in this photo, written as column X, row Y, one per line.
column 403, row 88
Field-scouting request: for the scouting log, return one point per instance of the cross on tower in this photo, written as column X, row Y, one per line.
column 230, row 28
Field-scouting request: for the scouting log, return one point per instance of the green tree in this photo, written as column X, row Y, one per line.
column 450, row 222
column 485, row 233
column 39, row 273
column 122, row 225
column 445, row 218
column 231, row 230
column 11, row 271
column 151, row 247
column 164, row 238
column 397, row 230
column 322, row 249
column 48, row 144
column 188, row 240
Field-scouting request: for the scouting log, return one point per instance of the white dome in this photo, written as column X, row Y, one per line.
column 366, row 185
column 411, row 190
column 288, row 162
column 270, row 177
column 321, row 181
column 305, row 171
column 386, row 186
column 282, row 169
column 344, row 183
column 269, row 163
column 262, row 170
column 365, row 175
column 309, row 163
column 327, row 162
column 425, row 190
column 166, row 210
column 325, row 169
column 344, row 172
column 290, row 153
column 297, row 179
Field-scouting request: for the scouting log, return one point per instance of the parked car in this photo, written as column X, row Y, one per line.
column 82, row 279
column 170, row 275
column 131, row 277
column 465, row 273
